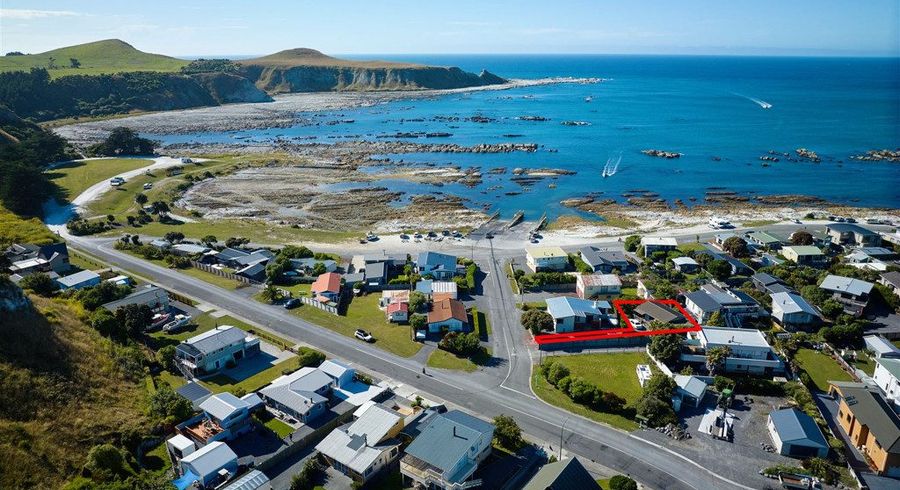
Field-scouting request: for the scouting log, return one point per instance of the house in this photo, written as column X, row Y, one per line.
column 541, row 259
column 733, row 304
column 570, row 313
column 252, row 480
column 161, row 243
column 397, row 312
column 306, row 265
column 438, row 265
column 886, row 376
column 605, row 286
column 448, row 314
column 393, row 296
column 121, row 280
column 255, row 272
column 188, row 249
column 211, row 465
column 852, row 234
column 658, row 244
column 805, row 255
column 257, row 257
column 765, row 240
column 689, row 390
column 304, row 394
column 853, row 294
column 791, row 311
column 568, row 474
column 327, row 286
column 870, row 258
column 366, row 446
column 769, row 284
column 224, row 417
column 78, row 280
column 796, row 434
column 605, row 261
column 376, row 274
column 881, row 347
column 154, row 297
column 228, row 256
column 737, row 267
column 686, row 265
column 447, row 451
column 195, row 392
column 720, row 238
column 180, row 446
column 651, row 311
column 749, row 351
column 769, row 260
column 215, row 349
column 871, row 425
column 53, row 257
column 892, row 281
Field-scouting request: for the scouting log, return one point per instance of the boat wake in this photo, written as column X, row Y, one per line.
column 611, row 167
column 761, row 103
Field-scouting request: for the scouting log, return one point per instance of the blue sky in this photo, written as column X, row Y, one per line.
column 232, row 27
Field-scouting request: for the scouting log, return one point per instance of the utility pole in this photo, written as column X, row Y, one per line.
column 561, row 430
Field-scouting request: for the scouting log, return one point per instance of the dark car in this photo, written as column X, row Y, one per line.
column 292, row 303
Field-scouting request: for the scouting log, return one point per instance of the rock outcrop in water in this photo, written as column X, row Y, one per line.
column 307, row 70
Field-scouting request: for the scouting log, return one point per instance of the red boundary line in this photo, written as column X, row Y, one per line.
column 621, row 333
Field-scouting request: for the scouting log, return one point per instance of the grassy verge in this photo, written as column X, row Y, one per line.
column 270, row 422
column 613, row 372
column 256, row 231
column 820, row 367
column 75, row 177
column 758, row 223
column 446, row 360
column 511, row 276
column 363, row 313
column 215, row 280
column 221, row 383
column 14, row 229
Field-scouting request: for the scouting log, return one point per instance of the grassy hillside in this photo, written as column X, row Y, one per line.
column 61, row 392
column 108, row 56
column 311, row 57
column 73, row 178
column 15, row 229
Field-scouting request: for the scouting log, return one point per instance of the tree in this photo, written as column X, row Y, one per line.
column 140, row 198
column 160, row 207
column 209, row 240
column 417, row 321
column 134, row 319
column 39, row 283
column 168, row 406
column 666, row 348
column 463, row 344
column 165, row 356
column 632, row 243
column 801, row 238
column 719, row 269
column 715, row 358
column 537, row 321
column 716, row 319
column 106, row 462
column 271, row 293
column 104, row 322
column 174, row 236
column 417, row 301
column 736, row 246
column 93, row 297
column 507, row 433
column 74, row 63
column 239, row 241
column 655, row 411
column 622, row 482
column 122, row 141
column 319, row 268
column 831, row 308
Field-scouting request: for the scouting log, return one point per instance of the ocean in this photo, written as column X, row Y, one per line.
column 721, row 113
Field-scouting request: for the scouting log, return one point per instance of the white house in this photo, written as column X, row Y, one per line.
column 792, row 311
column 689, row 390
column 546, row 258
column 887, row 373
column 796, row 434
column 574, row 313
column 212, row 464
column 658, row 244
column 686, row 265
column 604, row 286
column 881, row 347
column 750, row 353
column 363, row 448
column 852, row 293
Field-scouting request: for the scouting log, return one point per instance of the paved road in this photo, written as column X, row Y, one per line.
column 654, row 466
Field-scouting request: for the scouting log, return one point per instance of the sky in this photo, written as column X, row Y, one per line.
column 235, row 27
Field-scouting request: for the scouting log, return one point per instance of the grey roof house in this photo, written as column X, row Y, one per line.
column 796, row 434
column 604, row 260
column 568, row 474
column 447, row 451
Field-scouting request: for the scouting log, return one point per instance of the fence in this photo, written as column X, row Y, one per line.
column 303, row 438
column 221, row 273
column 322, row 306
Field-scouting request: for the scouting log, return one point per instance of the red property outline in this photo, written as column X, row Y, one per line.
column 621, row 333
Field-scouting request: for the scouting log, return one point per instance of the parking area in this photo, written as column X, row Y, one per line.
column 739, row 460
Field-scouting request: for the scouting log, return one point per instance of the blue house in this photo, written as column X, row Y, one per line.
column 223, row 417
column 78, row 280
column 440, row 266
column 215, row 349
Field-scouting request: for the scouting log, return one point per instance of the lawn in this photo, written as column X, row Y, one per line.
column 257, row 231
column 157, row 460
column 691, row 246
column 14, row 229
column 614, row 372
column 864, row 362
column 75, row 177
column 758, row 223
column 446, row 360
column 821, row 368
column 83, row 262
column 220, row 383
column 629, row 293
column 272, row 423
column 363, row 313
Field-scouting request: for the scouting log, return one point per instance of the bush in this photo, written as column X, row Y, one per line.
column 622, row 482
column 39, row 283
column 168, row 406
column 310, row 357
column 462, row 344
column 632, row 243
column 122, row 141
column 537, row 321
column 507, row 433
column 106, row 462
column 666, row 348
column 555, row 371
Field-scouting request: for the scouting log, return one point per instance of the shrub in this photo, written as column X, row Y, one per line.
column 40, row 283
column 537, row 321
column 556, row 372
column 622, row 482
column 507, row 433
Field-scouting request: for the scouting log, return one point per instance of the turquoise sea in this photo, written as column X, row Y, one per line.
column 710, row 109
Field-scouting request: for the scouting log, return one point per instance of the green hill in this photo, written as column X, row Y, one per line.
column 290, row 58
column 108, row 56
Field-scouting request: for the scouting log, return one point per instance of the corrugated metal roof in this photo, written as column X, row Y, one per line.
column 562, row 475
column 210, row 458
column 797, row 428
column 847, row 285
column 447, row 438
column 250, row 481
column 221, row 405
column 217, row 338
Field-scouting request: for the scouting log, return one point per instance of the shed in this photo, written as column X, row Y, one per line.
column 794, row 433
column 881, row 347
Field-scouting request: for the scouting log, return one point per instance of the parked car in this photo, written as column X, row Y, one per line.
column 179, row 322
column 148, row 186
column 421, row 335
column 363, row 335
column 292, row 303
column 159, row 320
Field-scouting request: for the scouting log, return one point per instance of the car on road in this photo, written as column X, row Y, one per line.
column 116, row 181
column 148, row 186
column 292, row 303
column 363, row 335
column 489, row 236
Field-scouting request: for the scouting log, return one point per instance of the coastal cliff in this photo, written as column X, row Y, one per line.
column 307, row 70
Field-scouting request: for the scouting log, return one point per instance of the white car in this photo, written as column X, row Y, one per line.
column 148, row 186
column 363, row 335
column 179, row 322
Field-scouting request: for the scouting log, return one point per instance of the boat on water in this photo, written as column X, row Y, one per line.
column 588, row 98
